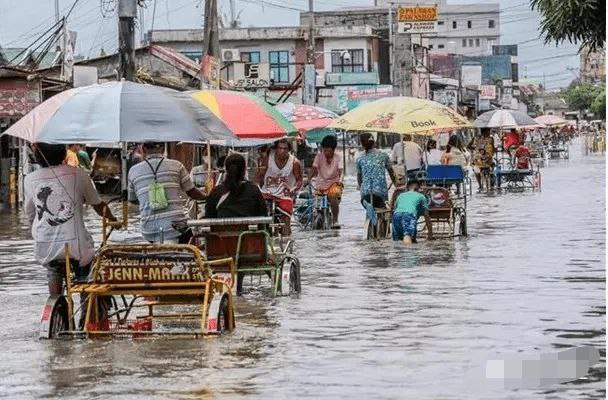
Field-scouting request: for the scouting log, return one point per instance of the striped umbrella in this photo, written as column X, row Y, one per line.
column 505, row 119
column 306, row 117
column 551, row 120
column 246, row 115
column 116, row 112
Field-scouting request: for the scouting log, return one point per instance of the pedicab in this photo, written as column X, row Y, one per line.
column 256, row 244
column 133, row 289
column 255, row 252
column 401, row 115
column 514, row 179
column 447, row 188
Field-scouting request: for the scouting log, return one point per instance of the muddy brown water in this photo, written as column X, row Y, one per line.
column 375, row 320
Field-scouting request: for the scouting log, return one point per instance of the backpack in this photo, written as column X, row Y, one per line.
column 157, row 196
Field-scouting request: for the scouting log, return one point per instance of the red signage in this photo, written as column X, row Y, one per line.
column 18, row 96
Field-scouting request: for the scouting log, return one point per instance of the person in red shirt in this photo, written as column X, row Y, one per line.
column 523, row 159
column 510, row 141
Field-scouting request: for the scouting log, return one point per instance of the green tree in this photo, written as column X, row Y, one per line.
column 580, row 97
column 575, row 21
column 598, row 107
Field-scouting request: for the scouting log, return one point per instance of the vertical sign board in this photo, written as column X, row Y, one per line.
column 417, row 19
column 211, row 71
column 310, row 81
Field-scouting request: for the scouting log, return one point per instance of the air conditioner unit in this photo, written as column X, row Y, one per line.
column 230, row 55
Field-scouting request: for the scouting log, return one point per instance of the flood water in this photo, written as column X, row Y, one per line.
column 375, row 320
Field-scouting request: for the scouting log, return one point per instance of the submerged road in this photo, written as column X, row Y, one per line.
column 375, row 320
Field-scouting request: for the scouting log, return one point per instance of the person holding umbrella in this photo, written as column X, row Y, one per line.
column 54, row 196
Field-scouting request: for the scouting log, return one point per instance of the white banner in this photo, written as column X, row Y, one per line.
column 417, row 27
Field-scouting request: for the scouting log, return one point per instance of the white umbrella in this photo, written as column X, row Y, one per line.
column 116, row 112
column 505, row 119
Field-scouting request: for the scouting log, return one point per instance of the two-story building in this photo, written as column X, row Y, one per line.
column 281, row 52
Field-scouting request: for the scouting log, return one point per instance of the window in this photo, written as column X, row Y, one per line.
column 470, row 42
column 439, row 22
column 279, row 65
column 491, row 23
column 440, row 46
column 430, row 47
column 370, row 65
column 477, row 42
column 340, row 63
column 469, row 24
column 464, row 43
column 250, row 57
column 454, row 25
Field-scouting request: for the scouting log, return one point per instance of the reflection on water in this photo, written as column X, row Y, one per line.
column 375, row 319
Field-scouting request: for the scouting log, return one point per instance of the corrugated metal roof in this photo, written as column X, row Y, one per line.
column 17, row 56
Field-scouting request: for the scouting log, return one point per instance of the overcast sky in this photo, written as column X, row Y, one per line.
column 22, row 20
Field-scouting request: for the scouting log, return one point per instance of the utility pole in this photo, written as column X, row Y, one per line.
column 211, row 39
column 391, row 55
column 402, row 70
column 233, row 23
column 211, row 46
column 127, row 12
column 309, row 74
column 311, row 32
column 56, row 10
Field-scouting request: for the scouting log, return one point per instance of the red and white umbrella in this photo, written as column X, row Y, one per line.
column 306, row 117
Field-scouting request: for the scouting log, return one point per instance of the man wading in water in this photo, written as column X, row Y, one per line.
column 280, row 174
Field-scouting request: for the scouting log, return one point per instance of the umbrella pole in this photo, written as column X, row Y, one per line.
column 344, row 153
column 209, row 157
column 124, row 186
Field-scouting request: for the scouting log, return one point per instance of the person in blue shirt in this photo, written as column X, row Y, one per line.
column 409, row 206
column 372, row 166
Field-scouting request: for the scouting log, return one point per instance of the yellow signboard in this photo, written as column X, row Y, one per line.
column 410, row 14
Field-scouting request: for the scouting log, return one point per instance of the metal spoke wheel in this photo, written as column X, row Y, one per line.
column 224, row 316
column 60, row 320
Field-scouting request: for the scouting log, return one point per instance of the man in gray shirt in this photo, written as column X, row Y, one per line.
column 157, row 225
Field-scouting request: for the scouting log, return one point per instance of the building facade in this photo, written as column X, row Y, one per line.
column 467, row 29
column 593, row 66
column 281, row 52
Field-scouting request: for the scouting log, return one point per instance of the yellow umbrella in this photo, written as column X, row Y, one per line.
column 402, row 115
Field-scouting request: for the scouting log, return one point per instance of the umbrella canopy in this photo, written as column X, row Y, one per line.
column 306, row 117
column 505, row 119
column 403, row 115
column 551, row 120
column 118, row 112
column 242, row 142
column 247, row 115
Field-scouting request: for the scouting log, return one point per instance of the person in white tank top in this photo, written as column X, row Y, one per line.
column 281, row 169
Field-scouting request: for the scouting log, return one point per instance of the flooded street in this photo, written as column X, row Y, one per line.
column 375, row 320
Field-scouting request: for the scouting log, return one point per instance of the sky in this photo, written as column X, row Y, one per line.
column 23, row 20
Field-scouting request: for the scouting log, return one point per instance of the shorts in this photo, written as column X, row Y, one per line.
column 55, row 271
column 333, row 192
column 404, row 224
